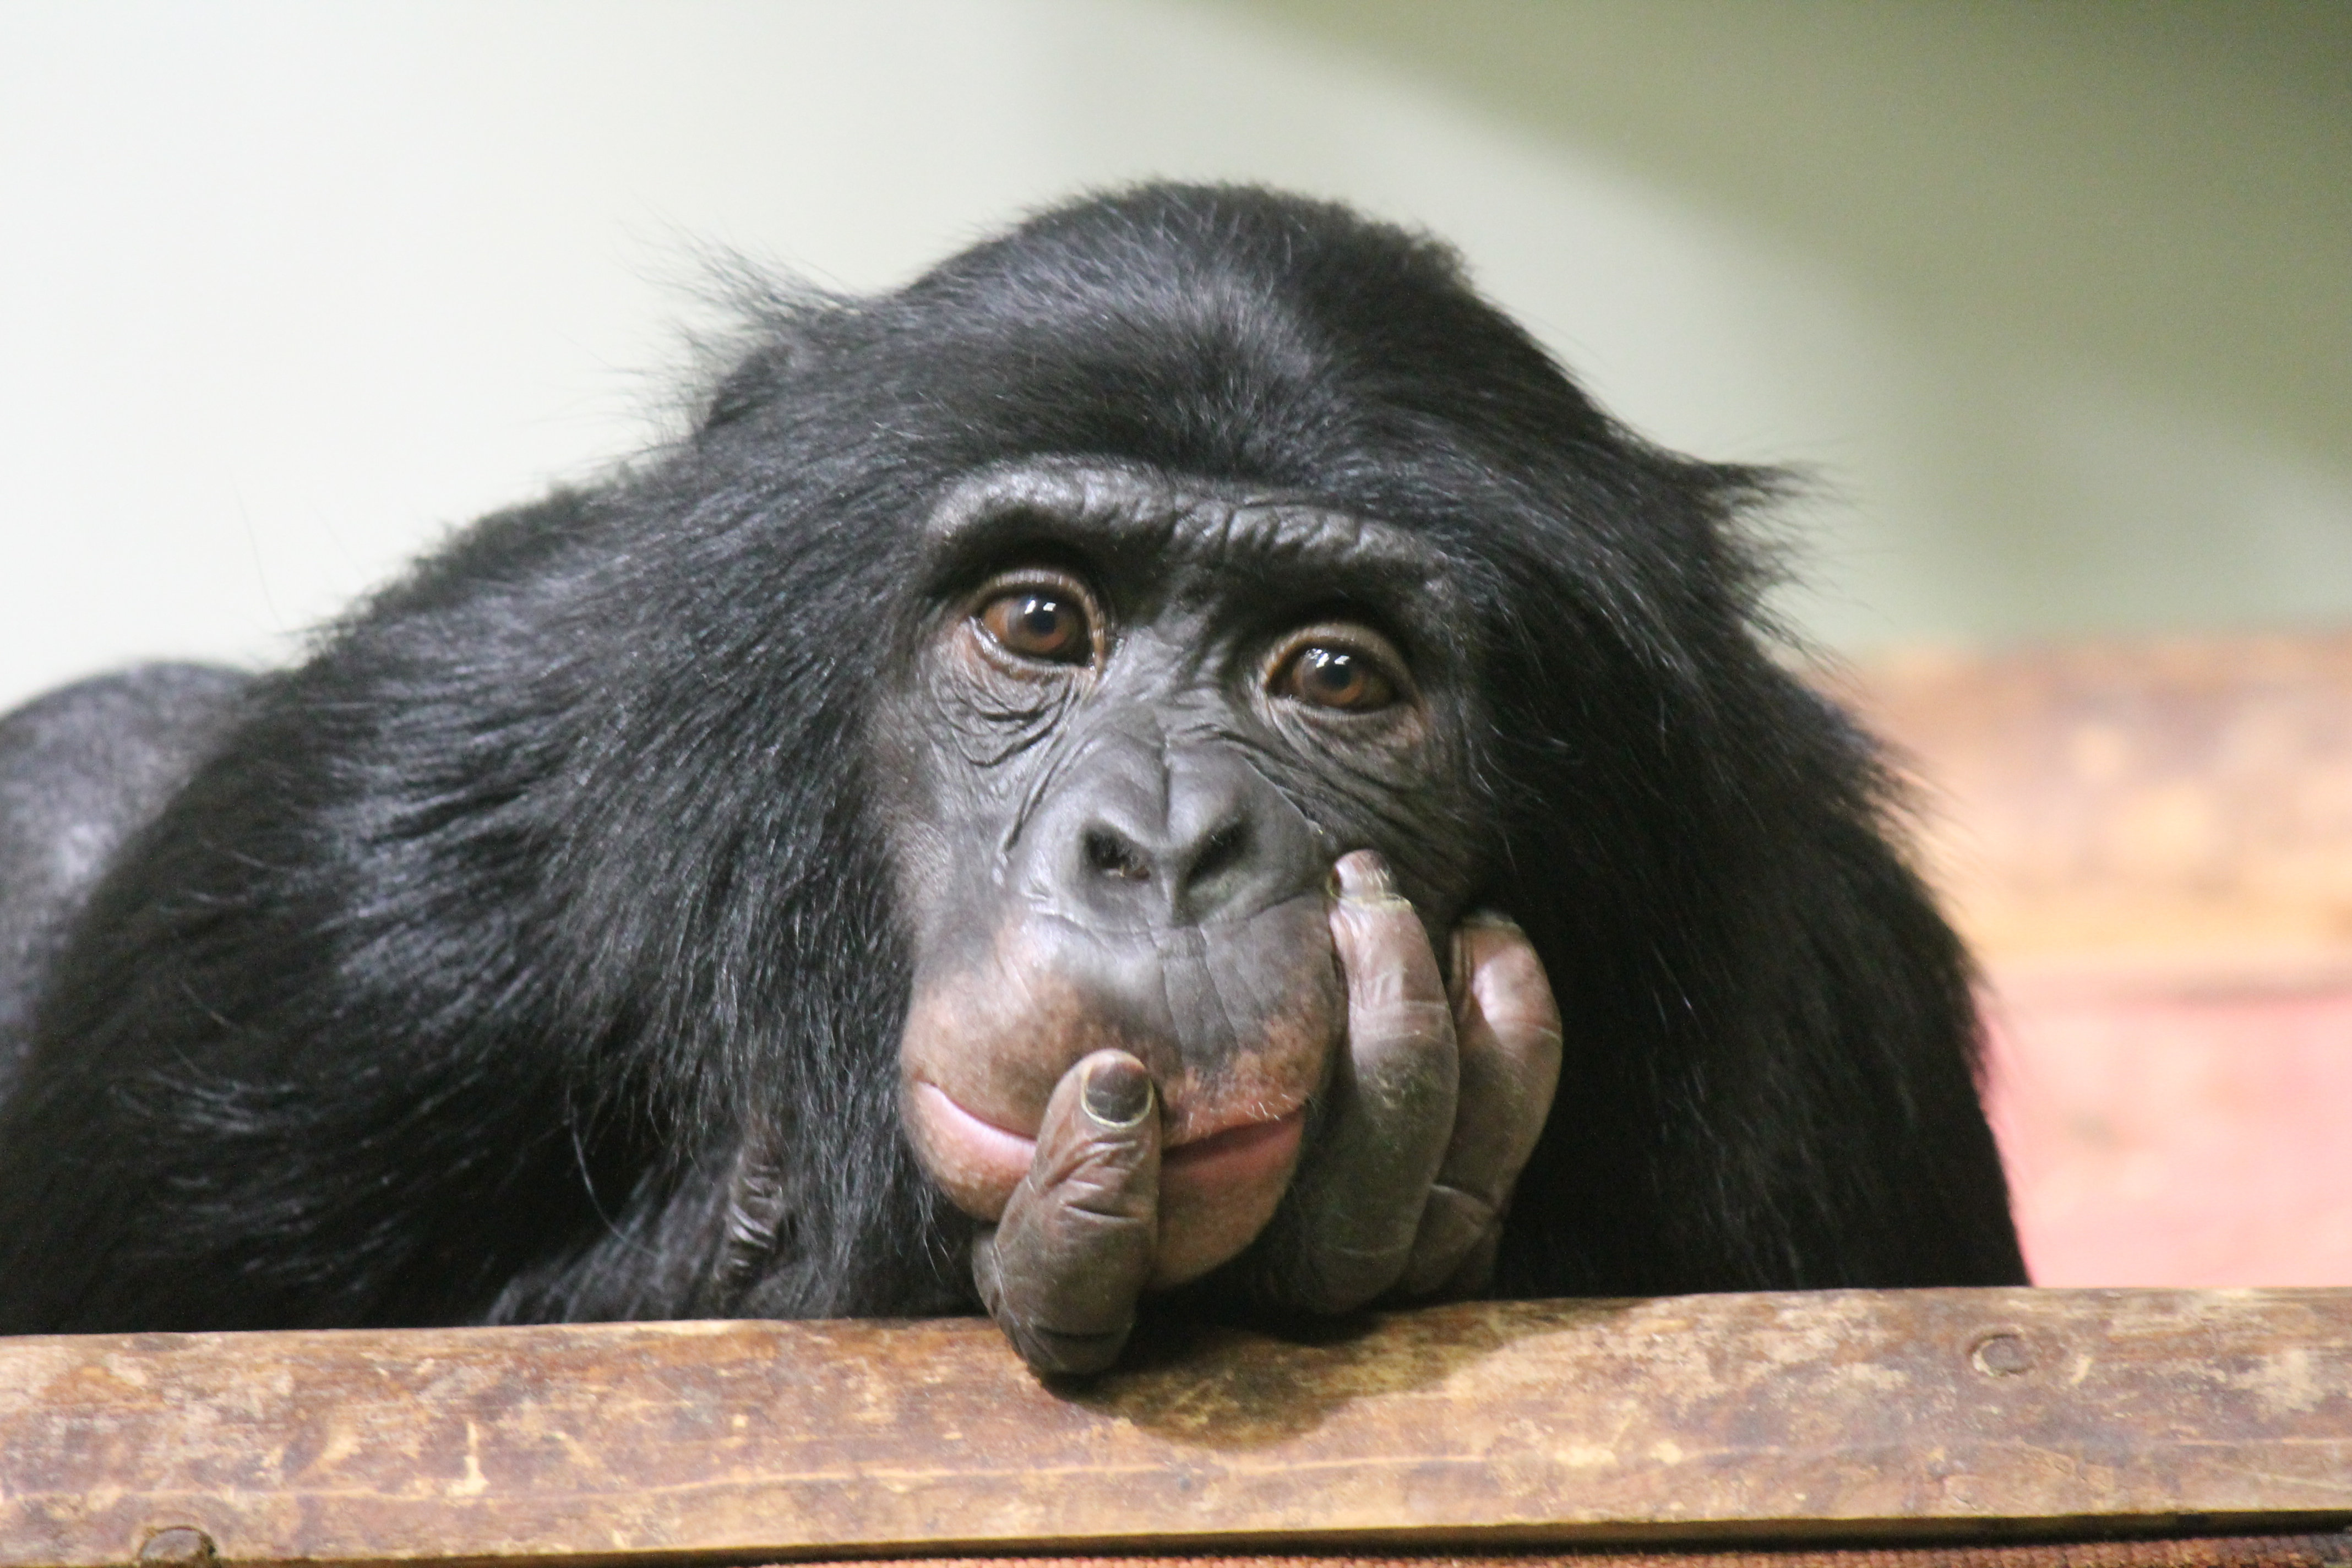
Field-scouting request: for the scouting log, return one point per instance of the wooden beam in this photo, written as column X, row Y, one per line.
column 2176, row 808
column 1814, row 1415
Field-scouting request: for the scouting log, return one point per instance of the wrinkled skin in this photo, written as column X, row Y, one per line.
column 1180, row 874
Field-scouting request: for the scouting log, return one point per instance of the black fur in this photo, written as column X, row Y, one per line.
column 479, row 949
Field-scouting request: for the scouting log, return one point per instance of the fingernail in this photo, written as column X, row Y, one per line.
column 1494, row 919
column 1363, row 878
column 1117, row 1093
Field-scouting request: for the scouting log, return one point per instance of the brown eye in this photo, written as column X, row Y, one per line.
column 1332, row 677
column 1039, row 622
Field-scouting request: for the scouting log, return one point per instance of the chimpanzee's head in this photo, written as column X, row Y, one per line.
column 1143, row 718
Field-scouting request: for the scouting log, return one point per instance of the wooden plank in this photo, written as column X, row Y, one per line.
column 1880, row 1413
column 2332, row 1550
column 2177, row 810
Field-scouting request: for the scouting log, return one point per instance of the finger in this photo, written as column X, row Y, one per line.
column 1391, row 1105
column 1060, row 1271
column 1507, row 1029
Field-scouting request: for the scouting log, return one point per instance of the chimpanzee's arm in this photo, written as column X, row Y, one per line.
column 80, row 769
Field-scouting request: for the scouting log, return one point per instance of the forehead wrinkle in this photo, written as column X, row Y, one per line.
column 1123, row 508
column 1266, row 535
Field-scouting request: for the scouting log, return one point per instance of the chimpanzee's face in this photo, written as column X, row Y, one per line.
column 1142, row 718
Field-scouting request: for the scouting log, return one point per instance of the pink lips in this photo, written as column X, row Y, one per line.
column 1253, row 1152
column 979, row 1162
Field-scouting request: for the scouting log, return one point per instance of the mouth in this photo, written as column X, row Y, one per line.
column 1250, row 1153
column 976, row 1162
column 979, row 1162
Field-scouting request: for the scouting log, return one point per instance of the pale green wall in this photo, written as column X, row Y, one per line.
column 2054, row 300
column 2105, row 250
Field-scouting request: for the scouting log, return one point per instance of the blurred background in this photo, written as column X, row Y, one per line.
column 2053, row 303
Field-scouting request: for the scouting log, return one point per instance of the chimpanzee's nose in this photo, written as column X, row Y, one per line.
column 1187, row 868
column 1143, row 836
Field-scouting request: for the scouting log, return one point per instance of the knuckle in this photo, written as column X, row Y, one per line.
column 1403, row 1025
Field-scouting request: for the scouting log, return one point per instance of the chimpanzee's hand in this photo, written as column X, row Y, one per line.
column 1429, row 1117
column 1432, row 1112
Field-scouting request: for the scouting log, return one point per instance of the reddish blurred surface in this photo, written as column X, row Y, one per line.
column 2150, row 849
column 2177, row 1140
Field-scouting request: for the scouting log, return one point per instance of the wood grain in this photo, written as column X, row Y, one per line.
column 2181, row 808
column 1815, row 1414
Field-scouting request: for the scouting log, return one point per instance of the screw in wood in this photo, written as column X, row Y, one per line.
column 179, row 1546
column 2002, row 1355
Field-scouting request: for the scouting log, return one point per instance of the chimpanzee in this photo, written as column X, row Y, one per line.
column 1177, row 761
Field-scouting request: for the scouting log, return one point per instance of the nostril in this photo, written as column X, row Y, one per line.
column 1221, row 849
column 1109, row 855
